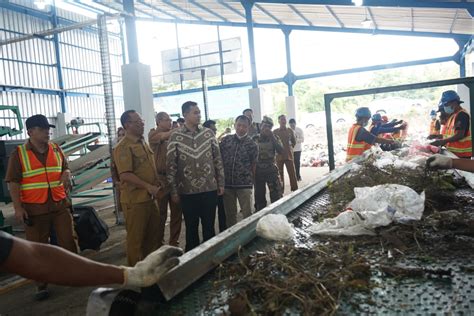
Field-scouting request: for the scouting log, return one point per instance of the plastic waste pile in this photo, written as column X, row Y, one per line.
column 374, row 207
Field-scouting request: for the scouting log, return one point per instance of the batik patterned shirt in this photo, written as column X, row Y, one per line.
column 193, row 160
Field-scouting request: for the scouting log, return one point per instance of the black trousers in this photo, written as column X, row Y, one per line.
column 199, row 207
column 221, row 213
column 297, row 158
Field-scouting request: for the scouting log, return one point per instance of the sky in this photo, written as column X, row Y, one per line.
column 311, row 52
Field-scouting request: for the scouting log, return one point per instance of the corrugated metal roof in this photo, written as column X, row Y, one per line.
column 432, row 16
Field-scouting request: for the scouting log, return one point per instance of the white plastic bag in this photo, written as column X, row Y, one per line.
column 374, row 207
column 353, row 223
column 404, row 200
column 275, row 227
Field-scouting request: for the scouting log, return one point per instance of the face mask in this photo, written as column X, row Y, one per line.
column 433, row 117
column 448, row 109
column 365, row 123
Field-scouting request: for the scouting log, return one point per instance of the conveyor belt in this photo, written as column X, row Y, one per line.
column 428, row 295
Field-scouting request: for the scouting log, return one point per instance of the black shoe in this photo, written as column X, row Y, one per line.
column 42, row 293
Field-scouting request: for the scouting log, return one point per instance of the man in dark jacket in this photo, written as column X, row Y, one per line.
column 239, row 154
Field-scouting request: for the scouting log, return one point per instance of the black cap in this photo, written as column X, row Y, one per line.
column 38, row 120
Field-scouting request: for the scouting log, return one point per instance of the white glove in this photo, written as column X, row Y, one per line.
column 148, row 271
column 439, row 162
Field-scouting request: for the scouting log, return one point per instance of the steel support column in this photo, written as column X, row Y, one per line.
column 248, row 5
column 122, row 43
column 221, row 56
column 130, row 27
column 460, row 56
column 57, row 54
column 289, row 77
column 180, row 61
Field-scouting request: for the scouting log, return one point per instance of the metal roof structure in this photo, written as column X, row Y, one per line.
column 438, row 17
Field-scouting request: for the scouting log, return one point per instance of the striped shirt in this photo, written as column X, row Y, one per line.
column 193, row 161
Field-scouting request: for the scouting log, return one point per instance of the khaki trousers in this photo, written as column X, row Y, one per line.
column 244, row 196
column 176, row 216
column 290, row 168
column 62, row 223
column 142, row 225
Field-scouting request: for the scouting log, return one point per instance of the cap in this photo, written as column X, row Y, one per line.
column 267, row 120
column 38, row 120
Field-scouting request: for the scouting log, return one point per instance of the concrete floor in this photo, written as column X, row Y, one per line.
column 16, row 293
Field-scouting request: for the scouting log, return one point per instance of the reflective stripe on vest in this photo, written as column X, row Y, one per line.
column 355, row 148
column 463, row 147
column 37, row 178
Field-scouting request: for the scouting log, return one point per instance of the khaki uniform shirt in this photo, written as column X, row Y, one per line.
column 159, row 148
column 287, row 137
column 15, row 174
column 134, row 155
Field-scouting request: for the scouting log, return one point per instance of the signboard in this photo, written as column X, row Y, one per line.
column 186, row 63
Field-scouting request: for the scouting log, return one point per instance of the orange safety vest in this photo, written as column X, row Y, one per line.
column 463, row 147
column 443, row 130
column 355, row 148
column 400, row 134
column 37, row 178
column 433, row 130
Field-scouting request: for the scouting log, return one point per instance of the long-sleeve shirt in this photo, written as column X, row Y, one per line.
column 268, row 148
column 288, row 140
column 194, row 162
column 239, row 156
column 384, row 128
column 299, row 135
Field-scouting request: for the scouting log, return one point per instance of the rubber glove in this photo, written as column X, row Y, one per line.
column 439, row 162
column 148, row 271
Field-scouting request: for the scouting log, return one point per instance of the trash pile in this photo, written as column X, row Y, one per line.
column 382, row 236
column 315, row 149
column 294, row 281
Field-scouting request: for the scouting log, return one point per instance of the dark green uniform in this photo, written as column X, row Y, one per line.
column 267, row 171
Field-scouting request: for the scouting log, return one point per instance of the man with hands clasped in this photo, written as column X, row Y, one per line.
column 195, row 174
column 135, row 166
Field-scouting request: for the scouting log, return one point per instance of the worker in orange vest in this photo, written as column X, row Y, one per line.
column 359, row 139
column 435, row 125
column 38, row 179
column 443, row 119
column 458, row 134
